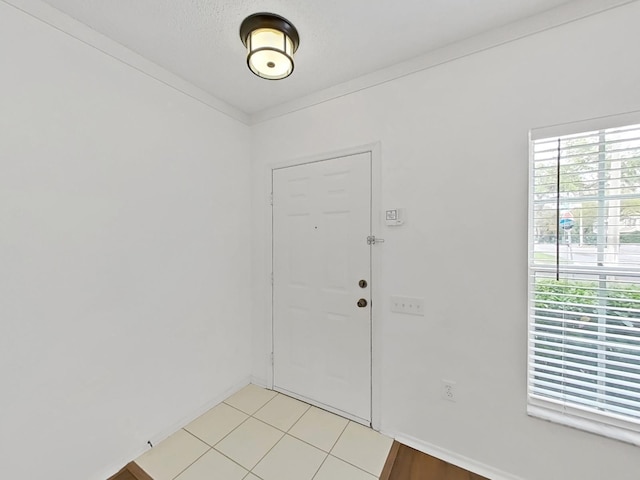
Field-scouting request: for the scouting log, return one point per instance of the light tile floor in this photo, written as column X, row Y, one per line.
column 258, row 434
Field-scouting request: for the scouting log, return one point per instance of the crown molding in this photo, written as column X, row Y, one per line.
column 81, row 32
column 562, row 15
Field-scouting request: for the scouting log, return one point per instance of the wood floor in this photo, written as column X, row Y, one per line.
column 131, row 472
column 405, row 463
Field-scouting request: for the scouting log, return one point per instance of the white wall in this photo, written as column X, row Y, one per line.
column 124, row 229
column 455, row 155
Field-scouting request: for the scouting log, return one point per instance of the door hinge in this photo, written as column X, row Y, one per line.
column 271, row 199
column 372, row 240
column 271, row 278
column 271, row 358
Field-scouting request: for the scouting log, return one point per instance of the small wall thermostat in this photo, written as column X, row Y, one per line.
column 395, row 217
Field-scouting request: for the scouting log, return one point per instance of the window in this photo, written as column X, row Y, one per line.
column 584, row 276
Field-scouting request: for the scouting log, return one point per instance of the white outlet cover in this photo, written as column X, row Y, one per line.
column 448, row 390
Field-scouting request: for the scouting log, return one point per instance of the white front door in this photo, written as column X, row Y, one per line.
column 322, row 269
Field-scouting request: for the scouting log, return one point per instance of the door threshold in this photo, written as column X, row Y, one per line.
column 328, row 408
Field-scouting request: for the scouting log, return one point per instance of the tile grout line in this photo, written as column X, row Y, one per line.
column 303, row 414
column 292, row 436
column 258, row 420
column 213, row 447
column 307, row 443
column 328, row 454
column 206, row 451
column 275, row 394
column 233, row 430
column 309, row 406
column 222, row 439
column 341, row 459
column 234, row 461
column 269, row 425
column 294, row 423
column 346, row 461
column 339, row 437
column 320, row 467
column 284, row 433
column 235, row 408
column 247, row 413
column 267, row 402
column 268, row 452
column 249, row 471
column 231, row 459
column 355, row 466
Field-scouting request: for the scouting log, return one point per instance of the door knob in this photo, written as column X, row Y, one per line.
column 362, row 283
column 362, row 303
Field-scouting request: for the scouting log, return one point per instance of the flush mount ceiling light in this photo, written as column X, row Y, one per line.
column 271, row 41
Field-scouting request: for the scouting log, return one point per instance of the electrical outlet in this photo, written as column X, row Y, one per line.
column 448, row 391
column 409, row 305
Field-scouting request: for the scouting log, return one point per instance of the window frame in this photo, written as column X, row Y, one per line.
column 547, row 408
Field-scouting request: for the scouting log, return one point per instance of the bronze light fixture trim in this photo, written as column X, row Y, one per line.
column 271, row 41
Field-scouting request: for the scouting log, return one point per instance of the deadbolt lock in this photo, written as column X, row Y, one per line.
column 362, row 303
column 362, row 283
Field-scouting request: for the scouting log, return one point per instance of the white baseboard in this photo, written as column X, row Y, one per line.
column 260, row 382
column 157, row 438
column 187, row 419
column 454, row 458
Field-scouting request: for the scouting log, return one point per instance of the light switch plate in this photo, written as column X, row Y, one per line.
column 408, row 305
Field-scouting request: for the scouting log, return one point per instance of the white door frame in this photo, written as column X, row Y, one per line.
column 376, row 225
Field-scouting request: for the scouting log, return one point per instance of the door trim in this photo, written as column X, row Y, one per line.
column 374, row 149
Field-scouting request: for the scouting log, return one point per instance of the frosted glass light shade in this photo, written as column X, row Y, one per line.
column 270, row 54
column 271, row 42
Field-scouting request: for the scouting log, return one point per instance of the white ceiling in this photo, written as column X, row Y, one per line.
column 340, row 40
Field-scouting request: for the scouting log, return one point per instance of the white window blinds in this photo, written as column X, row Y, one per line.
column 584, row 288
